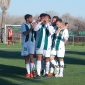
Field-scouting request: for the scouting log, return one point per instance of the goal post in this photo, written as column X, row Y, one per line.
column 16, row 33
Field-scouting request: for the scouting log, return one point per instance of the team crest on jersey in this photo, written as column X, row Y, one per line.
column 25, row 48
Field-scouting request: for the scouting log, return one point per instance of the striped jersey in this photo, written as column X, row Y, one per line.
column 31, row 36
column 43, row 38
column 59, row 39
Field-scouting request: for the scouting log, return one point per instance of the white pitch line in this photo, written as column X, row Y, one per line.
column 20, row 48
column 9, row 48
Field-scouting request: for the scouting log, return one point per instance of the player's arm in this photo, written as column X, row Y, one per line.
column 36, row 26
column 65, row 35
column 23, row 30
column 51, row 30
column 58, row 31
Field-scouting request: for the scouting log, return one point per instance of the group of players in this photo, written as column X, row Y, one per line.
column 42, row 41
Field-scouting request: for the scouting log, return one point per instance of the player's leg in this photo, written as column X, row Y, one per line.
column 61, row 61
column 31, row 50
column 35, row 62
column 60, row 55
column 51, row 70
column 31, row 65
column 25, row 52
column 27, row 63
column 8, row 41
column 53, row 62
column 43, row 66
column 39, row 58
column 47, row 61
column 11, row 41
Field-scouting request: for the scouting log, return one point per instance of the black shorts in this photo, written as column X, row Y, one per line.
column 9, row 38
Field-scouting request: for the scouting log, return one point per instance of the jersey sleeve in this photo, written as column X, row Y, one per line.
column 38, row 26
column 23, row 29
column 65, row 35
column 51, row 30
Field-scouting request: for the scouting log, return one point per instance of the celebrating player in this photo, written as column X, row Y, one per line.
column 58, row 48
column 28, row 45
column 43, row 42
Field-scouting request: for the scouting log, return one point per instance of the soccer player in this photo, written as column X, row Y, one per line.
column 28, row 45
column 54, row 19
column 43, row 41
column 58, row 48
column 54, row 22
column 10, row 34
column 66, row 25
column 48, row 42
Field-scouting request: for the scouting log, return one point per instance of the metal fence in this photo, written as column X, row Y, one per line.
column 77, row 39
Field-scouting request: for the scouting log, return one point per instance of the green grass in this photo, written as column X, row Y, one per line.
column 12, row 67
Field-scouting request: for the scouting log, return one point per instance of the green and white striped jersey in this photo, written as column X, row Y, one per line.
column 43, row 38
column 59, row 40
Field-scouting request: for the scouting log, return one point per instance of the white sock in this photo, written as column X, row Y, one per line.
column 38, row 67
column 55, row 64
column 35, row 61
column 32, row 67
column 47, row 67
column 51, row 68
column 61, row 67
column 28, row 68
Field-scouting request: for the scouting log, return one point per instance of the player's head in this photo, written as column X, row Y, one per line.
column 42, row 16
column 66, row 24
column 59, row 23
column 38, row 19
column 47, row 18
column 28, row 18
column 54, row 19
column 9, row 27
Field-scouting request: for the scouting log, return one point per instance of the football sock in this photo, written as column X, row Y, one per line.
column 38, row 67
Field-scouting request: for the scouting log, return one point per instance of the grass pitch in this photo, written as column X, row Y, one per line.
column 12, row 67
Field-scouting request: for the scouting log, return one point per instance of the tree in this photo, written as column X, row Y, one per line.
column 4, row 4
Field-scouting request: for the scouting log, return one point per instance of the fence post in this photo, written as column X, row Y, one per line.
column 73, row 40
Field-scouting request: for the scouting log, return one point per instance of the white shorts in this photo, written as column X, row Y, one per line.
column 39, row 51
column 60, row 53
column 27, row 49
column 45, row 53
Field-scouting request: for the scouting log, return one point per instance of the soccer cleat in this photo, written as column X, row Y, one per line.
column 58, row 75
column 32, row 74
column 46, row 75
column 38, row 77
column 50, row 75
column 27, row 76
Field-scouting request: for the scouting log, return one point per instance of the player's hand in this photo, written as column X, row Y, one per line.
column 61, row 33
column 63, row 28
column 58, row 31
column 43, row 20
column 34, row 25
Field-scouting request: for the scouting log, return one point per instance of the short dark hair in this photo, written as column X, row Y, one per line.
column 66, row 23
column 27, row 16
column 59, row 20
column 48, row 16
column 56, row 17
column 42, row 15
